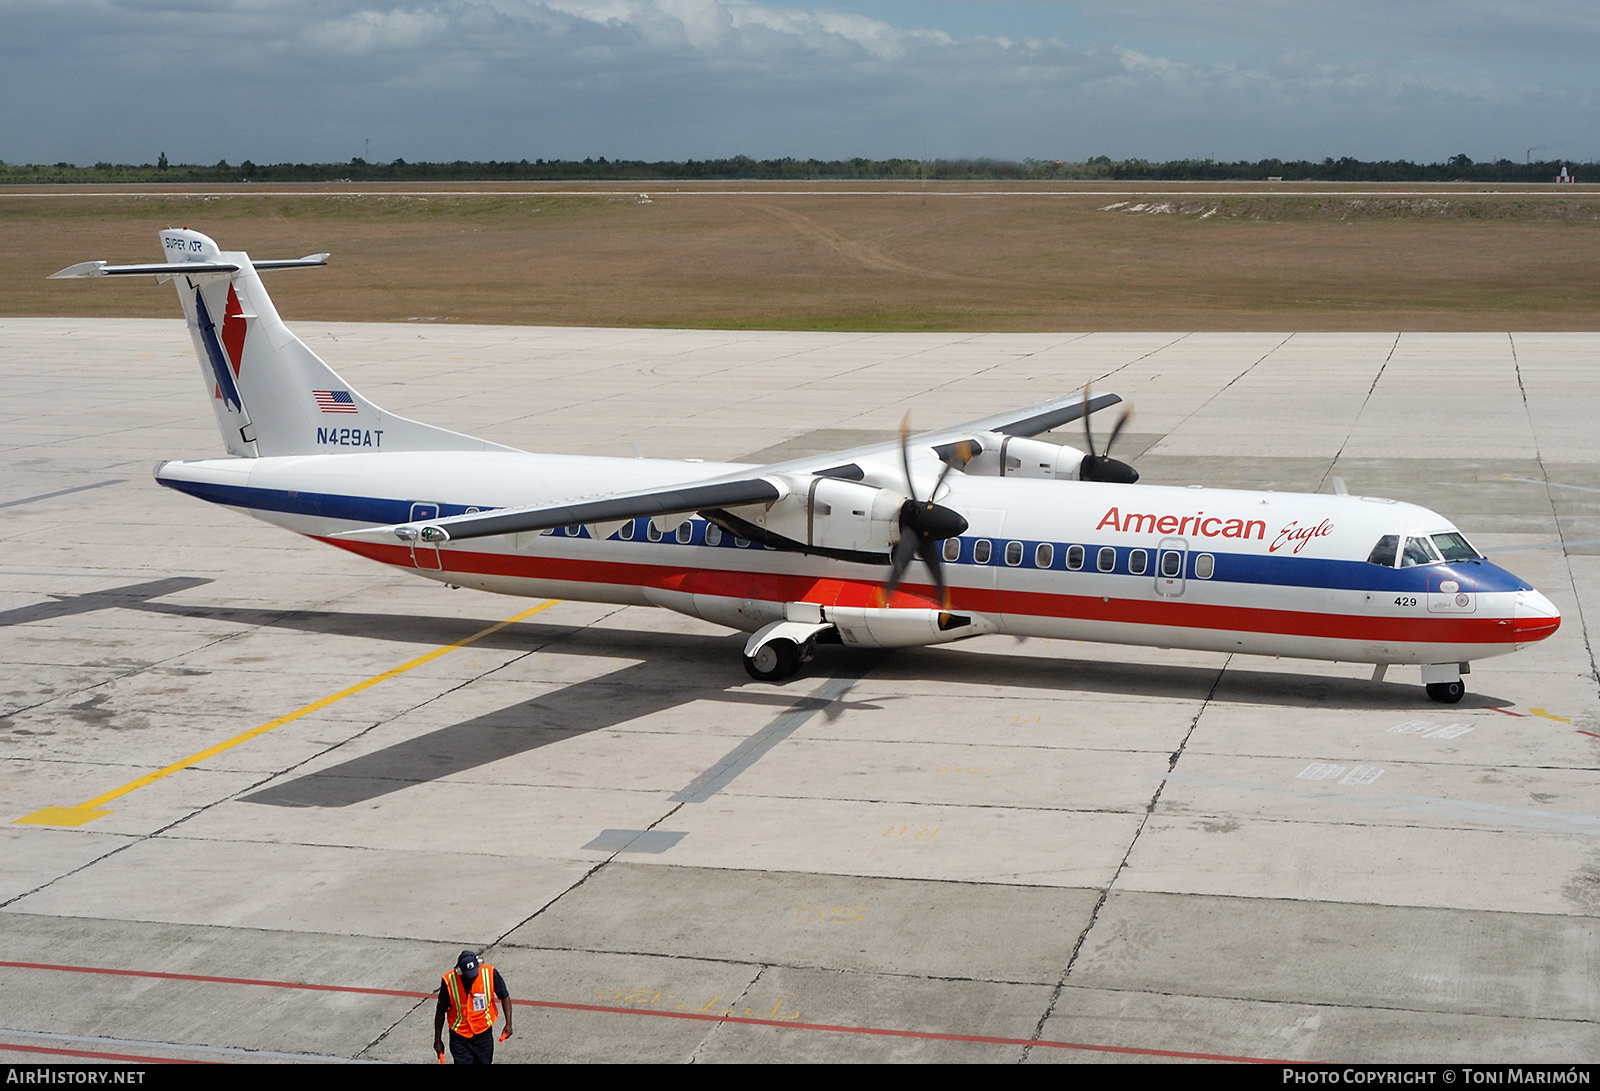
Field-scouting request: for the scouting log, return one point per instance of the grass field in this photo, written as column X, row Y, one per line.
column 852, row 256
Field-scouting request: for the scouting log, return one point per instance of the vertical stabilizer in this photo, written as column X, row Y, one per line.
column 271, row 394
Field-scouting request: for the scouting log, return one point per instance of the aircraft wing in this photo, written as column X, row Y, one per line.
column 730, row 492
column 1039, row 418
column 1028, row 421
column 671, row 500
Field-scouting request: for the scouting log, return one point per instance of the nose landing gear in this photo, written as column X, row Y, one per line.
column 1446, row 692
column 1443, row 681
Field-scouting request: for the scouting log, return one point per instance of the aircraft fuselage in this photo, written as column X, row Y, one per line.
column 1219, row 570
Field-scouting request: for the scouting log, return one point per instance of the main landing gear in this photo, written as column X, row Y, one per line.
column 774, row 661
column 777, row 651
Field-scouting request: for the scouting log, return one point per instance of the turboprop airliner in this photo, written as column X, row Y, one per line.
column 942, row 536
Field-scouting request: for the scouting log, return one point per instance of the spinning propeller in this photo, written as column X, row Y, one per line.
column 1103, row 467
column 924, row 526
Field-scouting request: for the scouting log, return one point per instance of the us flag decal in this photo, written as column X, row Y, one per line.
column 335, row 401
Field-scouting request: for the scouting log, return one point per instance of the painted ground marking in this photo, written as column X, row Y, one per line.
column 89, row 810
column 890, row 1032
column 1429, row 730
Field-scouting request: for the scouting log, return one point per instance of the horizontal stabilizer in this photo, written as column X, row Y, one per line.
column 178, row 268
column 684, row 499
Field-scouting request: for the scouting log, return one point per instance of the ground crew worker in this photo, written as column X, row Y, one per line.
column 467, row 996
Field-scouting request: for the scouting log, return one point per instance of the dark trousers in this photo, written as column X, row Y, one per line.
column 479, row 1049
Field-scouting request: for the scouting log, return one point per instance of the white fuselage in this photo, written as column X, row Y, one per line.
column 1223, row 570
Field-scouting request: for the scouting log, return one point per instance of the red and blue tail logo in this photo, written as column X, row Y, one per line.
column 233, row 331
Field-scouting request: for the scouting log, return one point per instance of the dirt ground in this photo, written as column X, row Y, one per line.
column 833, row 256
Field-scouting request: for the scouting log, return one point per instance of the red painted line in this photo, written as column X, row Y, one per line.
column 890, row 1032
column 214, row 980
column 1503, row 712
column 781, row 587
column 1591, row 734
column 101, row 1056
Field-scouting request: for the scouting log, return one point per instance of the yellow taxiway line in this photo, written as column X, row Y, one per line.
column 92, row 809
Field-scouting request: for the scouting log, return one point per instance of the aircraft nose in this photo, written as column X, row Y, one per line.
column 1535, row 617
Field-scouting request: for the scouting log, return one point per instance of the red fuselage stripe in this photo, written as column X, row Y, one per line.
column 1176, row 613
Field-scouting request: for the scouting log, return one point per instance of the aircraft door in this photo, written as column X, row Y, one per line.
column 1172, row 561
column 424, row 554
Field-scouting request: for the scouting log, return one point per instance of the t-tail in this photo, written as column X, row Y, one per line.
column 271, row 394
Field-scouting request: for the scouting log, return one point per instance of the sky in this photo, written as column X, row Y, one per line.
column 84, row 81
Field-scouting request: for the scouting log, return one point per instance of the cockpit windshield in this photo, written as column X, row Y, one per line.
column 1418, row 551
column 1421, row 549
column 1383, row 553
column 1454, row 547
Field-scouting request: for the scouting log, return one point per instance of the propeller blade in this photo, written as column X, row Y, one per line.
column 1102, row 467
column 900, row 560
column 1088, row 436
column 1127, row 415
column 924, row 525
column 932, row 554
column 905, row 455
column 964, row 452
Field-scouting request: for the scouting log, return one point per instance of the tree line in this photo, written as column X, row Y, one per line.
column 1457, row 168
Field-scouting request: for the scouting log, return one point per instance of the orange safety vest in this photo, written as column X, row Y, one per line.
column 472, row 1010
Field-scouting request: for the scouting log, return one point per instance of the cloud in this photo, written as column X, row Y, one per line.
column 1538, row 30
column 85, row 80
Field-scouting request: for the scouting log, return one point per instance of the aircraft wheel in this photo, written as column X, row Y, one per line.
column 1446, row 692
column 774, row 661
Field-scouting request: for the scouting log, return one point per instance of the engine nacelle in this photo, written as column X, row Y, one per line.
column 1017, row 456
column 828, row 514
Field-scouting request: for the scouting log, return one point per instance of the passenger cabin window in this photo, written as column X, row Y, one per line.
column 1453, row 547
column 652, row 532
column 1418, row 551
column 573, row 529
column 1383, row 553
column 1138, row 561
column 1171, row 563
column 1107, row 560
column 981, row 550
column 1074, row 557
column 625, row 532
column 952, row 549
column 713, row 534
column 685, row 532
column 1013, row 553
column 1043, row 555
column 1205, row 566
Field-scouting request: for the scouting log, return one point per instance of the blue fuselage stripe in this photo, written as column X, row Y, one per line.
column 1243, row 568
